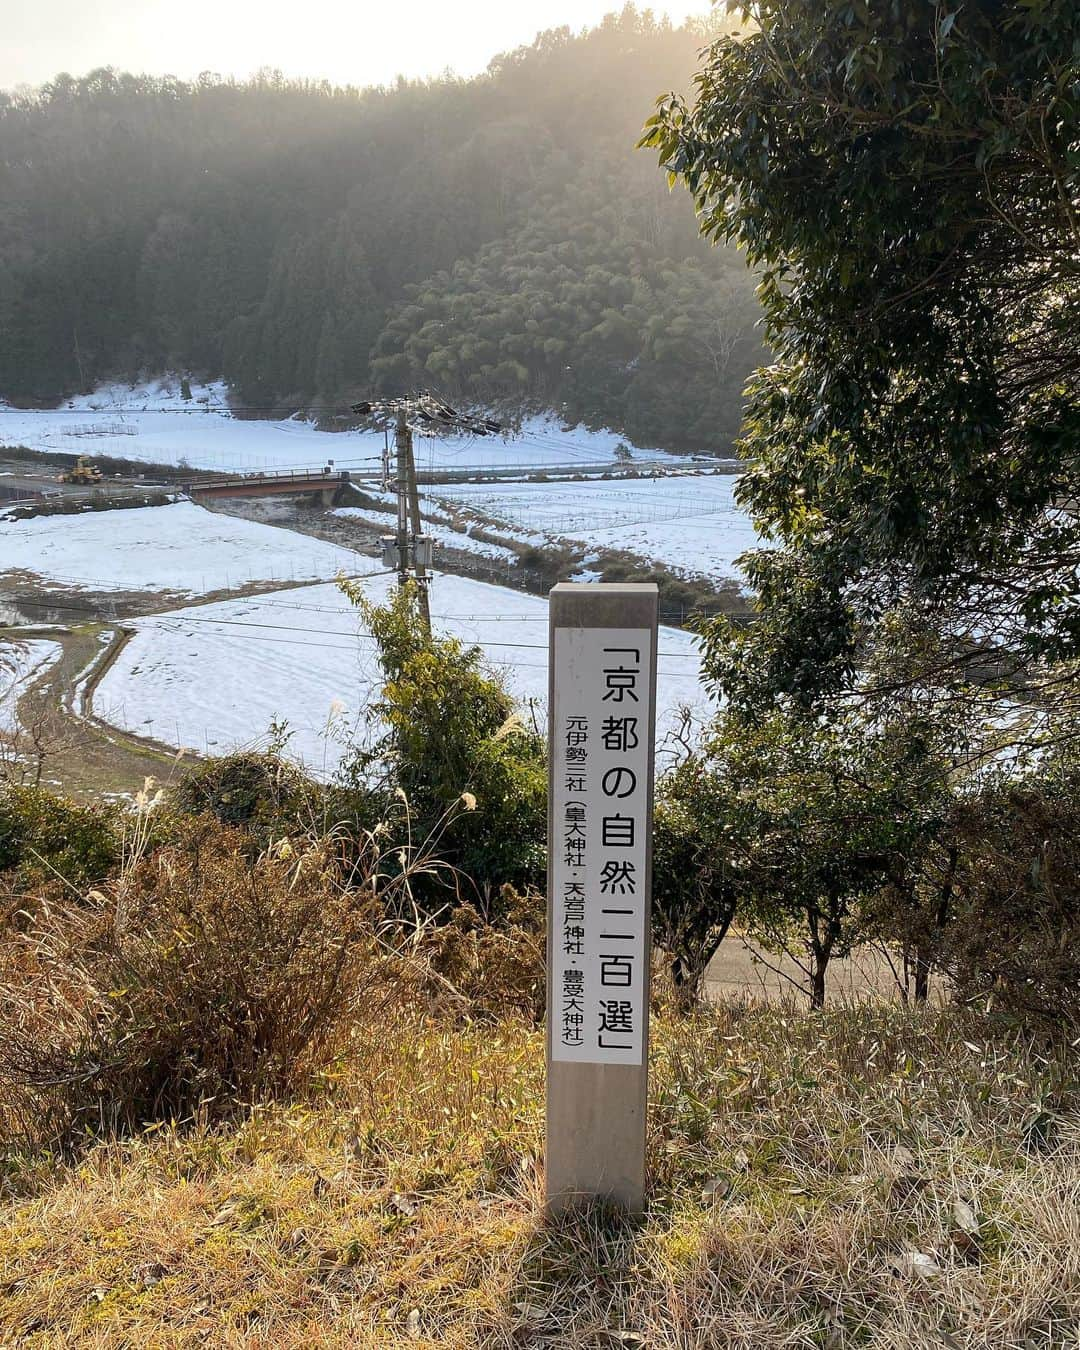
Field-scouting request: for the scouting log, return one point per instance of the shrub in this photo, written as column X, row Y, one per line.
column 46, row 839
column 453, row 735
column 1011, row 939
column 258, row 791
column 203, row 978
column 483, row 971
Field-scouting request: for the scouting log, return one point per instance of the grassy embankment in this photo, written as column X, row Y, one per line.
column 863, row 1177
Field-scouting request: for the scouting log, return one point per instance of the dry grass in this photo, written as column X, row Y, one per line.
column 876, row 1178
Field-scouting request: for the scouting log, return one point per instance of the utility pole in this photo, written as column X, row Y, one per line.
column 409, row 551
column 419, row 564
column 401, row 445
column 409, row 526
column 386, row 460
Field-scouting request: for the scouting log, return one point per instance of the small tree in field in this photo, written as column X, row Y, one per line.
column 450, row 732
column 827, row 813
column 701, row 867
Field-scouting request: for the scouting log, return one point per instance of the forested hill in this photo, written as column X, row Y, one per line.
column 499, row 238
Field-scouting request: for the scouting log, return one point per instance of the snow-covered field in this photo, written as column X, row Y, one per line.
column 152, row 424
column 688, row 521
column 182, row 549
column 214, row 677
column 442, row 534
column 22, row 662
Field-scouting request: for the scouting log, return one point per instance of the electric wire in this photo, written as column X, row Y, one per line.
column 171, row 617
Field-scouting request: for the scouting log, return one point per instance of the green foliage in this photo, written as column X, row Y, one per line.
column 453, row 740
column 906, row 178
column 46, row 839
column 816, row 818
column 578, row 310
column 700, row 868
column 273, row 232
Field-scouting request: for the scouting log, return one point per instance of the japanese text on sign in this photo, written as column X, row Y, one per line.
column 601, row 785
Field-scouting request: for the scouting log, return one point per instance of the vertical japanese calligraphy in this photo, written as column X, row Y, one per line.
column 601, row 775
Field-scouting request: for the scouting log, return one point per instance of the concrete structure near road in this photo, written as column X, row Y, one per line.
column 329, row 484
column 602, row 712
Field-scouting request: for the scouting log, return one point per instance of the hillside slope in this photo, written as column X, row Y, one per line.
column 498, row 237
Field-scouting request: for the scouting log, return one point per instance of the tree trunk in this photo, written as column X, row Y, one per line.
column 821, row 947
column 923, row 968
column 924, row 957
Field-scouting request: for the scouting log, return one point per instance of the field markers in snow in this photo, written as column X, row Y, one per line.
column 600, row 795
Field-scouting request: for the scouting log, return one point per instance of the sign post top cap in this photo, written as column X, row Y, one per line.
column 606, row 588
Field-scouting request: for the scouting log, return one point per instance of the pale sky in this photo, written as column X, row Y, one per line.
column 348, row 43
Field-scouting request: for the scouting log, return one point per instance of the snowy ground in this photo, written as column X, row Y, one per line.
column 442, row 534
column 688, row 521
column 21, row 662
column 182, row 549
column 214, row 677
column 152, row 424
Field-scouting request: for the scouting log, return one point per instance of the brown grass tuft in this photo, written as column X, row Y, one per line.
column 203, row 977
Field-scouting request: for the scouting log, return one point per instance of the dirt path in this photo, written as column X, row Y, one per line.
column 78, row 753
column 737, row 968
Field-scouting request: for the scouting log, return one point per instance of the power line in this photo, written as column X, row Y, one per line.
column 174, row 617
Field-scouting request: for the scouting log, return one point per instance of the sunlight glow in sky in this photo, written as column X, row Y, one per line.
column 358, row 43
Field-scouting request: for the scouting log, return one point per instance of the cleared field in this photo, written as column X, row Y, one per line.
column 181, row 549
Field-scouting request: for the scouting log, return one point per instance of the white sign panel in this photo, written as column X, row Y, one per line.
column 599, row 850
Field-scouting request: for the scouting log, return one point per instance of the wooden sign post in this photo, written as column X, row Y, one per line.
column 602, row 718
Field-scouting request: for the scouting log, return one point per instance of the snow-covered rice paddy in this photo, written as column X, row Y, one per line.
column 441, row 534
column 181, row 549
column 151, row 424
column 22, row 661
column 686, row 520
column 215, row 677
column 690, row 522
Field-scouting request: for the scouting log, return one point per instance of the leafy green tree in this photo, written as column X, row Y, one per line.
column 454, row 753
column 820, row 816
column 905, row 177
column 702, row 867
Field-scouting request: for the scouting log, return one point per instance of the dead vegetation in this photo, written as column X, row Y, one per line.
column 864, row 1177
column 245, row 1101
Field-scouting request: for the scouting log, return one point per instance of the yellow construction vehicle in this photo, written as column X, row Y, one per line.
column 83, row 472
